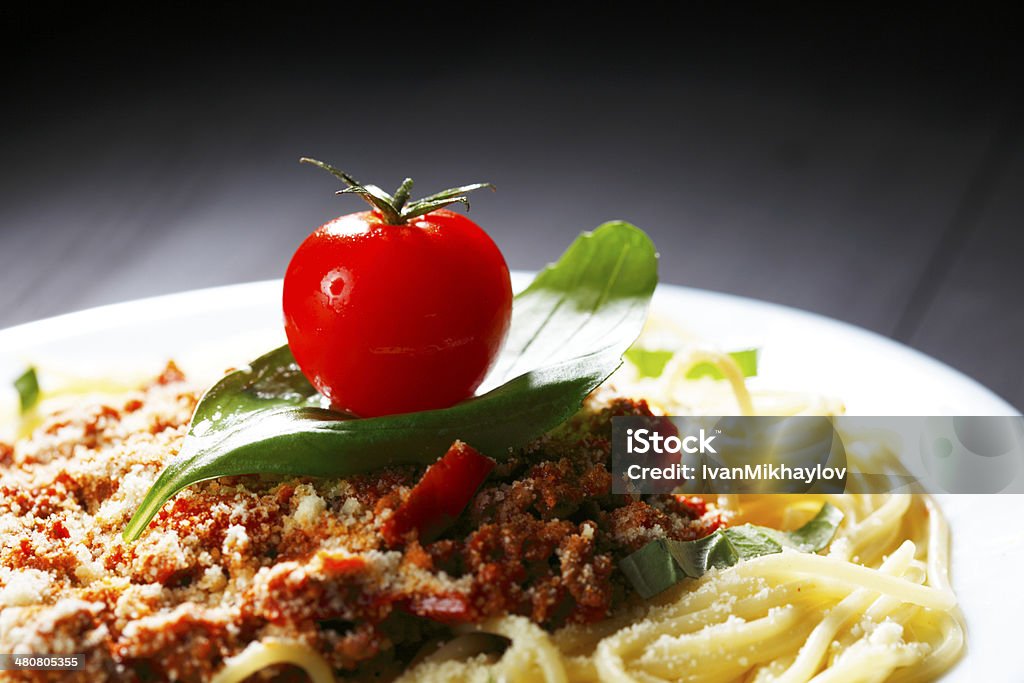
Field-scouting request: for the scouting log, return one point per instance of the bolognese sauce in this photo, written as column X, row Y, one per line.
column 238, row 559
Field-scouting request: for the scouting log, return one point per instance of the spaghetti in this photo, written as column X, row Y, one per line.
column 876, row 606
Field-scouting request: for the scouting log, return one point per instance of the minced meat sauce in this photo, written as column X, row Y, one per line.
column 238, row 559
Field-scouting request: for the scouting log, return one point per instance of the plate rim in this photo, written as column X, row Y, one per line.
column 214, row 298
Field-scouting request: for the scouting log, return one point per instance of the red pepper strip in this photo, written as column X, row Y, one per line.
column 440, row 496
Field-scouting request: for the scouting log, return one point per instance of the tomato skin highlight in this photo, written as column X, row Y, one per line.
column 386, row 319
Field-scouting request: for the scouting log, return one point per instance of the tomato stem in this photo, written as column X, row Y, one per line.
column 402, row 193
column 397, row 209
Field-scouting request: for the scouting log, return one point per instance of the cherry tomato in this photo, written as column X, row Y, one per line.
column 386, row 317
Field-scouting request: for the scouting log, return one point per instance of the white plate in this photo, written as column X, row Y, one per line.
column 208, row 330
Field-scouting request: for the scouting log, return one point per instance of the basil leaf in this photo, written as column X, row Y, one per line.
column 27, row 386
column 652, row 362
column 751, row 541
column 813, row 536
column 696, row 557
column 569, row 330
column 585, row 301
column 653, row 568
column 662, row 563
column 272, row 380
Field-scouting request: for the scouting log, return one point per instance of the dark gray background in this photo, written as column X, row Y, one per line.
column 866, row 167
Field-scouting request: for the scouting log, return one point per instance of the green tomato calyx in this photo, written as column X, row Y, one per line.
column 397, row 209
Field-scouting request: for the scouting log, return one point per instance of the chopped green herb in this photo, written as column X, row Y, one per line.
column 661, row 564
column 746, row 359
column 652, row 362
column 816, row 534
column 649, row 362
column 653, row 569
column 27, row 386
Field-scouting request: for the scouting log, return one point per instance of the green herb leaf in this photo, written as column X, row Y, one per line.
column 648, row 362
column 662, row 563
column 653, row 568
column 27, row 386
column 651, row 363
column 746, row 359
column 813, row 536
column 588, row 300
column 750, row 541
column 569, row 330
